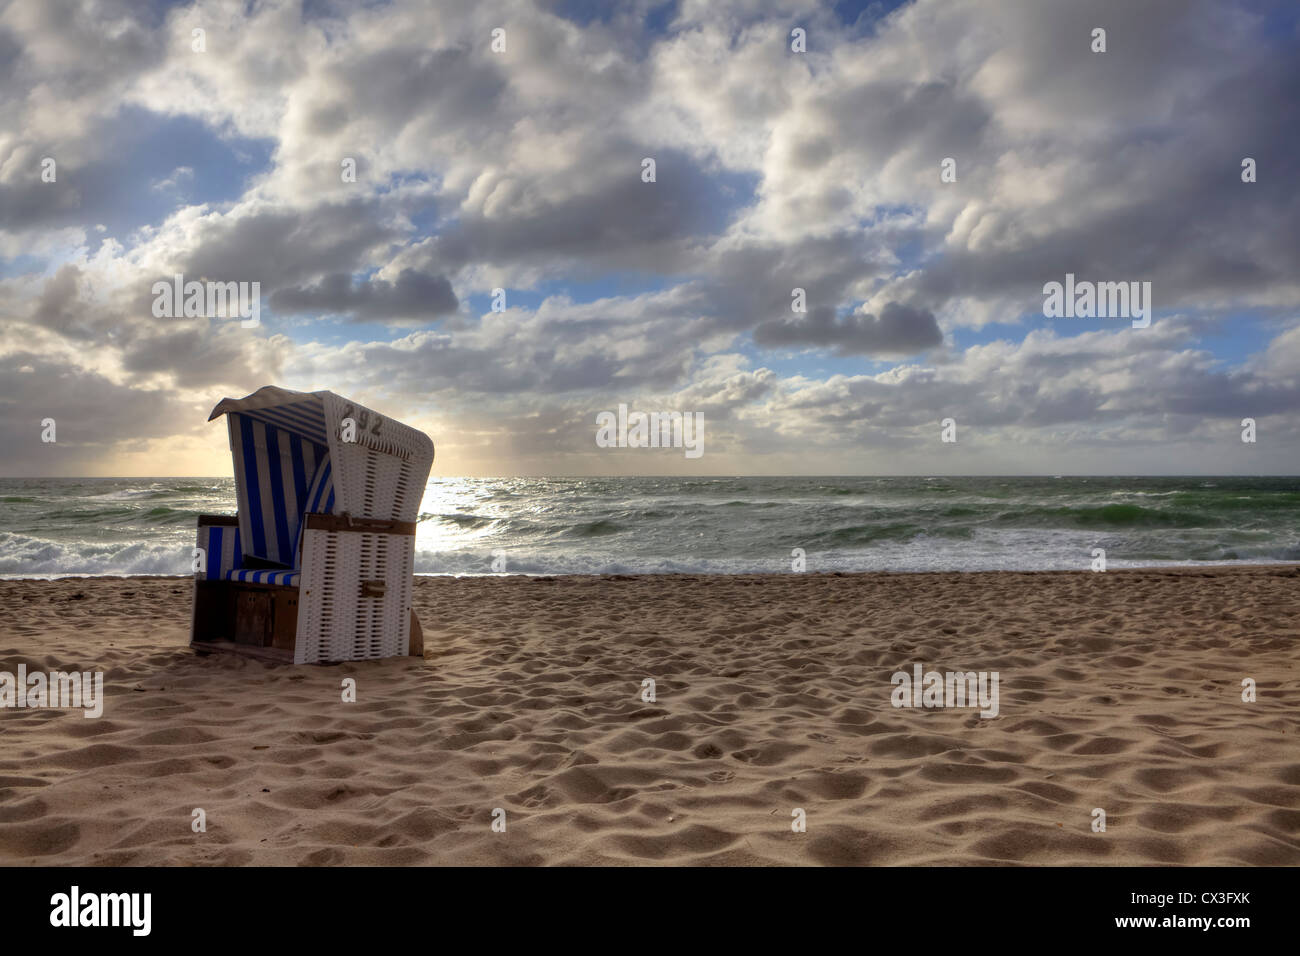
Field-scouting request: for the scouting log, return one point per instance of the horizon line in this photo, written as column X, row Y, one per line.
column 699, row 476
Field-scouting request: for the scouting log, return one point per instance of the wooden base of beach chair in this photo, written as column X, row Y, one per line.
column 213, row 612
column 256, row 620
column 265, row 615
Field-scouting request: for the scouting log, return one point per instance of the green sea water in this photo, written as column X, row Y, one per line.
column 721, row 525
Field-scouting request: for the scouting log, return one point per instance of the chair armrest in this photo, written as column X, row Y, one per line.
column 218, row 536
column 345, row 522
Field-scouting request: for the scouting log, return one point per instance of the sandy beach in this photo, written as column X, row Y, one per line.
column 1120, row 691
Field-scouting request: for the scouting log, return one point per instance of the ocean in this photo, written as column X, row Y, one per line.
column 116, row 526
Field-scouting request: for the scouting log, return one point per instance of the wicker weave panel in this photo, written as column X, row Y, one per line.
column 336, row 621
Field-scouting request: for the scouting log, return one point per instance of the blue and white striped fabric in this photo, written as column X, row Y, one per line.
column 257, row 576
column 320, row 501
column 221, row 543
column 273, row 471
column 306, row 418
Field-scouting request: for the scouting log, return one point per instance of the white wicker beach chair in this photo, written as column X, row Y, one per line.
column 317, row 565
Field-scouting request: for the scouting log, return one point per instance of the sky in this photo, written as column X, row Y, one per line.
column 783, row 161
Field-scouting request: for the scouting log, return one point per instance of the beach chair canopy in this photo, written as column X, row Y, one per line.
column 293, row 456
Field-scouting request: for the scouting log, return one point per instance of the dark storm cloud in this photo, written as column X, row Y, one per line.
column 92, row 415
column 605, row 216
column 281, row 247
column 517, row 366
column 29, row 202
column 196, row 352
column 413, row 84
column 102, row 43
column 1164, row 118
column 10, row 49
column 60, row 306
column 753, row 282
column 200, row 352
column 118, row 189
column 413, row 295
column 898, row 330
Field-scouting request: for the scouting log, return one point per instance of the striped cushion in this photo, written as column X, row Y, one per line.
column 273, row 471
column 319, row 501
column 255, row 576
